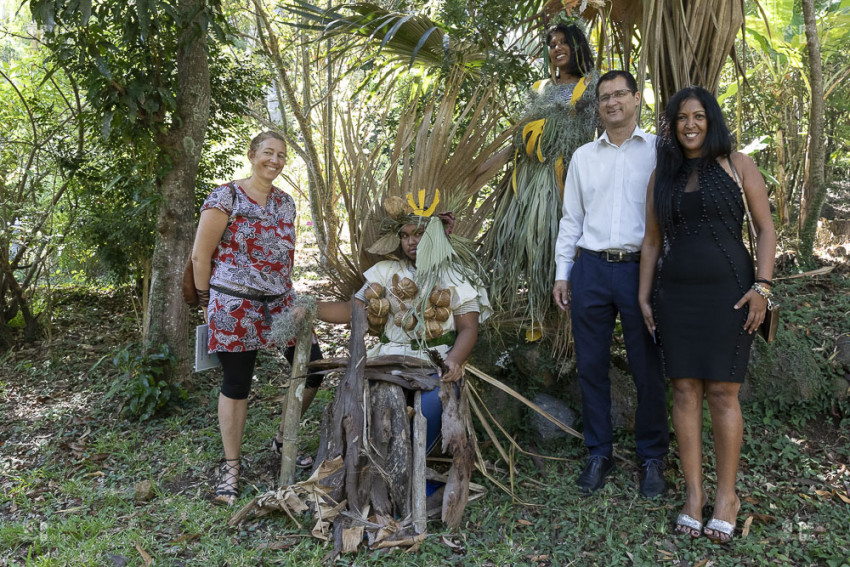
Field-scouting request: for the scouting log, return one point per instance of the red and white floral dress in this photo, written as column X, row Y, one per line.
column 250, row 280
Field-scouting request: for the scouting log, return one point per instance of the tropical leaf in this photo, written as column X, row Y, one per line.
column 404, row 38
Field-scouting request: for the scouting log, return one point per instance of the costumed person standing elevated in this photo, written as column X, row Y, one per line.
column 425, row 296
column 560, row 117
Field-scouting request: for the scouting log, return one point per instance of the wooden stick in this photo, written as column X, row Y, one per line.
column 417, row 491
column 291, row 414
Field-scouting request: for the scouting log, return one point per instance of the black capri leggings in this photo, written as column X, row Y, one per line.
column 238, row 369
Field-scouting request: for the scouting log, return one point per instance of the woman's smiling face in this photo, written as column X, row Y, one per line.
column 691, row 127
column 268, row 160
column 559, row 51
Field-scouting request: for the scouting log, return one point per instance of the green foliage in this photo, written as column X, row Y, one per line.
column 124, row 55
column 41, row 140
column 140, row 382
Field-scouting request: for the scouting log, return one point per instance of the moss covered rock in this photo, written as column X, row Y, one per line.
column 785, row 372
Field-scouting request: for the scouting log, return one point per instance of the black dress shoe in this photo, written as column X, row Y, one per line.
column 592, row 478
column 652, row 478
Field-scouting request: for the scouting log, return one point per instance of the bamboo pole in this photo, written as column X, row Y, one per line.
column 291, row 414
column 417, row 479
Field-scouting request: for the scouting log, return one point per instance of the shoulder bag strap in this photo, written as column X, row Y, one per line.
column 748, row 218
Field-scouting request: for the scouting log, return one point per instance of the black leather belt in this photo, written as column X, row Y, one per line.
column 614, row 255
column 244, row 295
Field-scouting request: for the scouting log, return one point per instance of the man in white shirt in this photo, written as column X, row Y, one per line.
column 597, row 259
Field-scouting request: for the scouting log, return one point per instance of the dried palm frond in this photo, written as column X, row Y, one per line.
column 451, row 150
column 364, row 136
column 439, row 144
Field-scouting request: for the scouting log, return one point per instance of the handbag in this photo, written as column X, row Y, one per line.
column 768, row 327
column 187, row 286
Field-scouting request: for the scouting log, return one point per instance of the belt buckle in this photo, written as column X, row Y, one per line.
column 613, row 255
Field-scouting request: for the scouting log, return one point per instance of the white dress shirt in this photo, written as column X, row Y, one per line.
column 605, row 198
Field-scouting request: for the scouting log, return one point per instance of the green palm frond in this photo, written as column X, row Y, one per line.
column 408, row 39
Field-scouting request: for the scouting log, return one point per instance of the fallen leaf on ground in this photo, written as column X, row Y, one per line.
column 745, row 531
column 145, row 557
column 450, row 543
column 351, row 538
column 763, row 518
column 276, row 545
column 186, row 537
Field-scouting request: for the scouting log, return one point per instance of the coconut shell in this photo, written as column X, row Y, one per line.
column 376, row 321
column 405, row 289
column 433, row 329
column 429, row 313
column 441, row 297
column 395, row 206
column 378, row 307
column 441, row 314
column 405, row 321
column 374, row 291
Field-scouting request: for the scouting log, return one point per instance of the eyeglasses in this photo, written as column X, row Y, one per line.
column 618, row 95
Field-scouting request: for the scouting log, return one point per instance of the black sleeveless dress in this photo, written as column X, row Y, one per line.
column 703, row 272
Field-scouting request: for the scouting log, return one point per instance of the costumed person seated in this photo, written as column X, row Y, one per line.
column 559, row 117
column 425, row 296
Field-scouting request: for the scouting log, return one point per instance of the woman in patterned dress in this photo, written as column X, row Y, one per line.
column 243, row 257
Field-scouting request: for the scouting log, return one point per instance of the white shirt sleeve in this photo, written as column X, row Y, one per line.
column 572, row 220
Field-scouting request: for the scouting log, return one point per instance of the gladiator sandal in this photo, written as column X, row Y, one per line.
column 228, row 485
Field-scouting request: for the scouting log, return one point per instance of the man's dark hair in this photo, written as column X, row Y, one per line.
column 612, row 75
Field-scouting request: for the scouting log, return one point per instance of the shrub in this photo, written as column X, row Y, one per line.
column 141, row 382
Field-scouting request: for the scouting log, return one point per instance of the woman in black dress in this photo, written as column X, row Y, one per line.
column 703, row 294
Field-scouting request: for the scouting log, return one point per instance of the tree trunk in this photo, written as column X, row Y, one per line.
column 687, row 43
column 814, row 191
column 457, row 443
column 167, row 315
column 782, row 192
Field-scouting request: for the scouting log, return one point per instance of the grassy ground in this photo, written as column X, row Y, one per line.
column 70, row 465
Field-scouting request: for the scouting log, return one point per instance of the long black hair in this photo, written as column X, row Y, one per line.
column 581, row 59
column 669, row 156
